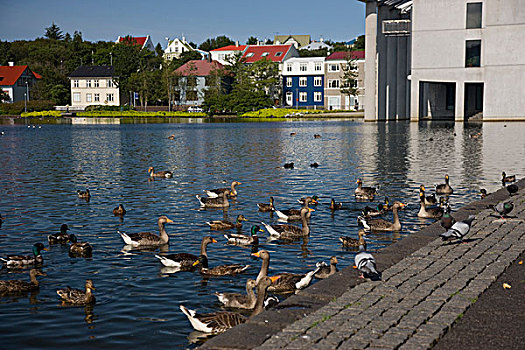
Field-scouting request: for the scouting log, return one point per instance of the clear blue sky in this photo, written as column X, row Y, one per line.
column 338, row 20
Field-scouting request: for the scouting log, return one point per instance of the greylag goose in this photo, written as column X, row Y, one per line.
column 366, row 264
column 148, row 239
column 237, row 300
column 218, row 202
column 350, row 242
column 77, row 296
column 218, row 322
column 61, row 237
column 217, row 192
column 458, row 230
column 226, row 224
column 290, row 232
column 17, row 261
column 366, row 193
column 264, row 207
column 19, row 286
column 383, row 225
column 119, row 211
column 429, row 200
column 76, row 248
column 185, row 260
column 240, row 239
column 164, row 173
column 326, row 271
column 294, row 214
column 444, row 188
column 424, row 212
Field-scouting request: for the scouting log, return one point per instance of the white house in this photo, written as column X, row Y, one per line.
column 317, row 45
column 177, row 47
column 93, row 85
column 223, row 54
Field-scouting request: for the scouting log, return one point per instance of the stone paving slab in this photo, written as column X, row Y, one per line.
column 421, row 296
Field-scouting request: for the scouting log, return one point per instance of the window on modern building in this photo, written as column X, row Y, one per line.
column 318, row 81
column 75, row 83
column 302, row 97
column 473, row 53
column 474, row 15
column 303, row 67
column 288, row 67
column 76, row 97
column 97, row 97
column 88, row 97
column 289, row 82
column 110, row 83
column 88, row 83
column 318, row 96
column 95, row 83
column 110, row 97
column 333, row 83
column 333, row 67
column 318, row 66
column 302, row 81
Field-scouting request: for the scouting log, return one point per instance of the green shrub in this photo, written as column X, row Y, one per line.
column 55, row 114
column 133, row 113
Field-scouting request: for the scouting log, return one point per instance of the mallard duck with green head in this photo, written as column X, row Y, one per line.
column 19, row 261
column 240, row 239
column 61, row 237
column 83, row 249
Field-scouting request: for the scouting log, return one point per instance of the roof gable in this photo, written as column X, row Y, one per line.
column 231, row 48
column 93, row 72
column 199, row 68
column 10, row 74
column 275, row 53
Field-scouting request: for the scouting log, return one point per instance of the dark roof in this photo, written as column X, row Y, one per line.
column 93, row 71
column 345, row 55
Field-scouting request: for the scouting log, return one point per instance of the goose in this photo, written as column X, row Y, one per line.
column 217, row 192
column 77, row 296
column 19, row 286
column 225, row 224
column 424, row 212
column 18, row 261
column 148, row 239
column 84, row 194
column 458, row 230
column 366, row 264
column 361, row 192
column 290, row 232
column 61, row 237
column 285, row 282
column 119, row 211
column 264, row 207
column 221, row 270
column 505, row 178
column 164, row 173
column 79, row 248
column 218, row 322
column 429, row 200
column 185, row 260
column 326, row 271
column 219, row 202
column 237, row 300
column 383, row 225
column 294, row 214
column 444, row 188
column 350, row 242
column 240, row 239
column 503, row 208
column 334, row 205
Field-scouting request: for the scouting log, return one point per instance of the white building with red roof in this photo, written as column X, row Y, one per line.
column 194, row 80
column 144, row 42
column 224, row 54
column 17, row 81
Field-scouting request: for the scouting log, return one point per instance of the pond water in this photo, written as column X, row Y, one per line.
column 42, row 167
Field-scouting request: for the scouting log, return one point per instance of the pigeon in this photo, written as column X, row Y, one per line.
column 366, row 264
column 458, row 230
column 512, row 189
column 502, row 208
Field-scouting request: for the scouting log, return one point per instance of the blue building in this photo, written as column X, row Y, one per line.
column 303, row 82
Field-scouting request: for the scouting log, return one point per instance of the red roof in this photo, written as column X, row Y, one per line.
column 345, row 55
column 231, row 48
column 199, row 68
column 136, row 40
column 275, row 53
column 10, row 74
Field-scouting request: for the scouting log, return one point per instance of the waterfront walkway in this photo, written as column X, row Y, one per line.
column 427, row 287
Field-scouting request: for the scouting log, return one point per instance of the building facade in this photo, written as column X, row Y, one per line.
column 224, row 55
column 17, row 81
column 194, row 77
column 303, row 82
column 93, row 85
column 336, row 65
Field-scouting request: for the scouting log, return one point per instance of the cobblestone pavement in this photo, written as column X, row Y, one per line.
column 419, row 298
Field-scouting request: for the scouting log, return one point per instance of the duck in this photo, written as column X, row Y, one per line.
column 334, row 205
column 219, row 202
column 77, row 296
column 19, row 286
column 351, row 242
column 225, row 224
column 293, row 133
column 294, row 214
column 240, row 239
column 185, row 260
column 171, row 137
column 221, row 270
column 1, row 219
column 79, row 248
column 284, row 282
column 237, row 300
column 217, row 192
column 373, row 212
column 361, row 192
column 424, row 212
column 429, row 200
column 61, row 237
column 290, row 232
column 483, row 193
column 119, row 211
column 444, row 188
column 447, row 220
column 317, row 136
column 383, row 225
column 288, row 165
column 366, row 264
column 313, row 200
column 148, row 239
column 265, row 207
column 164, row 173
column 512, row 189
column 18, row 261
column 326, row 271
column 314, row 165
column 505, row 178
column 218, row 322
column 84, row 194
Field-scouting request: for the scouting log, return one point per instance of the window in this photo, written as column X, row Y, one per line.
column 333, row 83
column 96, row 84
column 278, row 54
column 288, row 67
column 264, row 54
column 318, row 81
column 88, row 83
column 289, row 82
column 289, row 98
column 97, row 97
column 88, row 97
column 318, row 96
column 302, row 96
column 75, row 83
column 303, row 67
column 474, row 15
column 110, row 83
column 110, row 97
column 76, row 97
column 249, row 54
column 302, row 81
column 333, row 67
column 318, row 66
column 473, row 53
column 176, row 49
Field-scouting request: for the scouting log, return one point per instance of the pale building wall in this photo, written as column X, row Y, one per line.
column 89, row 93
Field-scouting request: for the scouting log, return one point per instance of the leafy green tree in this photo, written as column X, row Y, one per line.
column 215, row 43
column 359, row 43
column 60, row 94
column 349, row 78
column 314, row 53
column 54, row 32
column 4, row 96
column 252, row 41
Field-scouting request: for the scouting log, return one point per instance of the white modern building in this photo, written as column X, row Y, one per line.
column 93, row 85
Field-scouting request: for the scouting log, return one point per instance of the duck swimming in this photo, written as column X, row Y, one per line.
column 225, row 224
column 240, row 239
column 19, row 261
column 148, row 239
column 77, row 296
column 84, row 194
column 361, row 192
column 444, row 188
column 505, row 178
column 61, row 237
column 429, row 200
column 119, row 211
column 164, row 173
column 77, row 248
column 264, row 207
column 351, row 242
column 19, row 286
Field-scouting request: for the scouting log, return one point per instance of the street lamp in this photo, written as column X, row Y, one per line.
column 25, row 102
column 26, row 96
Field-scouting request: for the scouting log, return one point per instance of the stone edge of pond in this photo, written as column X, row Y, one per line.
column 261, row 327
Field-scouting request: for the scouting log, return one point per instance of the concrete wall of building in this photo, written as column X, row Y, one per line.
column 105, row 87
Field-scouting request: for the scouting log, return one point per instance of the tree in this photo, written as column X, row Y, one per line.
column 4, row 96
column 349, row 79
column 359, row 43
column 252, row 41
column 159, row 50
column 54, row 32
column 59, row 94
column 215, row 43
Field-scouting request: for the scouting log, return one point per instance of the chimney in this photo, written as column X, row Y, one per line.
column 11, row 64
column 237, row 43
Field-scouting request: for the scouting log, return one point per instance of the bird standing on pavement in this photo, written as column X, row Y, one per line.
column 503, row 208
column 458, row 230
column 366, row 264
column 512, row 189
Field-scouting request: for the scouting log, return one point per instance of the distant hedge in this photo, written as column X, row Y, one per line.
column 17, row 108
column 132, row 113
column 55, row 114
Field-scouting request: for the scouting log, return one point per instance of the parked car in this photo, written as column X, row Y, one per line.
column 195, row 109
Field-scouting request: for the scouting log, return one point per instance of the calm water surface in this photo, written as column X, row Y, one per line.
column 137, row 303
